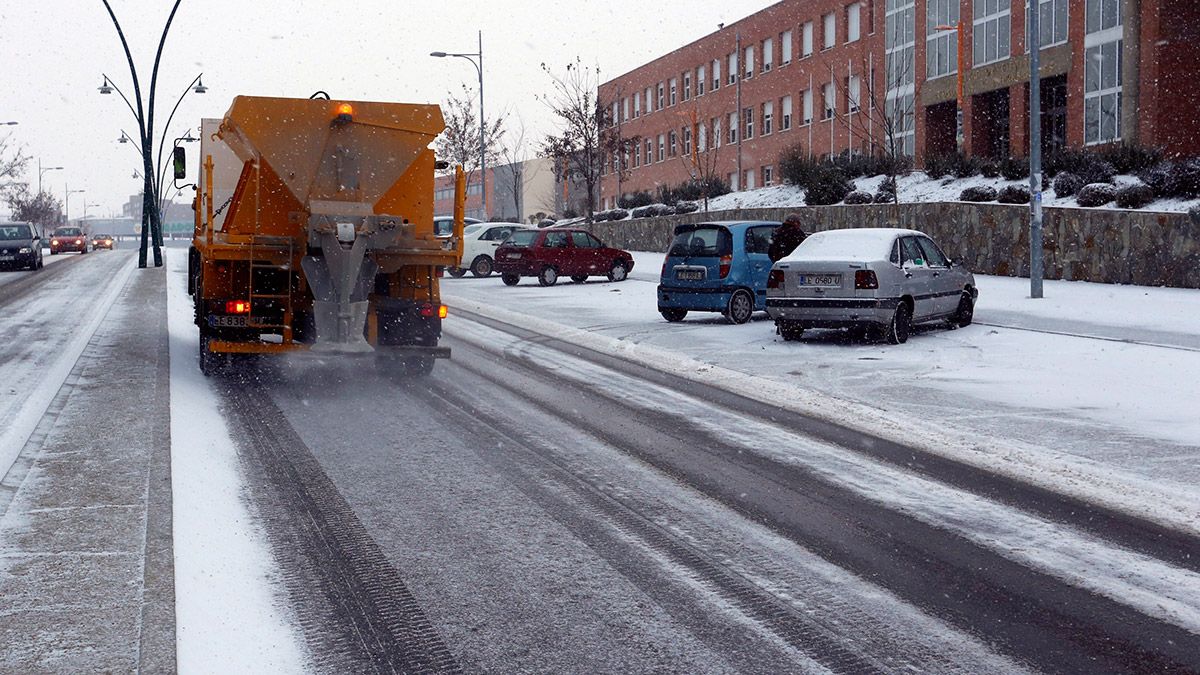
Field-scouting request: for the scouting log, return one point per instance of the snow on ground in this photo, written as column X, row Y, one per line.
column 230, row 612
column 1110, row 421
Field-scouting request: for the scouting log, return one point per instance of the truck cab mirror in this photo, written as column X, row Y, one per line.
column 179, row 159
column 441, row 165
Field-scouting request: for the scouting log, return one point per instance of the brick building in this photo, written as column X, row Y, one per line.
column 517, row 192
column 837, row 75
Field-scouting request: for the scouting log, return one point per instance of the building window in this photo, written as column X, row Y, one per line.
column 687, row 141
column 1052, row 23
column 750, row 179
column 768, row 114
column 701, row 138
column 829, row 102
column 806, row 40
column 733, row 181
column 637, row 158
column 662, row 148
column 649, row 152
column 853, row 93
column 808, row 106
column 941, row 47
column 829, row 21
column 616, row 110
column 785, row 106
column 768, row 54
column 1102, row 93
column 785, row 46
column 992, row 33
column 748, row 123
column 853, row 22
column 637, row 105
column 1102, row 15
column 672, row 148
column 674, row 89
column 733, row 67
column 898, row 45
column 687, row 86
column 649, row 101
column 768, row 176
column 715, row 123
column 749, row 62
column 625, row 109
column 716, row 74
column 700, row 77
column 733, row 128
column 662, row 96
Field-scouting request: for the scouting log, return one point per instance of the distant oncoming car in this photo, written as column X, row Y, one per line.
column 877, row 280
column 102, row 241
column 553, row 252
column 479, row 246
column 20, row 246
column 69, row 239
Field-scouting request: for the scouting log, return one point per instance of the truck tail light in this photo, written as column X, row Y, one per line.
column 237, row 307
column 726, row 262
column 429, row 311
column 865, row 280
column 775, row 279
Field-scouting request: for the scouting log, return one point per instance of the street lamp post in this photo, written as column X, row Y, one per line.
column 67, row 192
column 482, row 125
column 144, row 114
column 1035, row 154
column 958, row 116
column 42, row 172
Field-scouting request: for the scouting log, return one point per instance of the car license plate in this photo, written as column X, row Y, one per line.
column 689, row 274
column 514, row 256
column 820, row 280
column 8, row 257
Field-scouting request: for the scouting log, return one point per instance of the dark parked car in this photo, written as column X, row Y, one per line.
column 550, row 253
column 100, row 241
column 69, row 239
column 20, row 246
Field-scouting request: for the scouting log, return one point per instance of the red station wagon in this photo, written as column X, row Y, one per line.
column 550, row 253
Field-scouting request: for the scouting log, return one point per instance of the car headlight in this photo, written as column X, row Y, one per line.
column 25, row 250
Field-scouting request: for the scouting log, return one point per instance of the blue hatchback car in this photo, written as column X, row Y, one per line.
column 717, row 267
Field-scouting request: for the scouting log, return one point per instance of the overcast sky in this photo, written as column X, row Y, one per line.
column 52, row 54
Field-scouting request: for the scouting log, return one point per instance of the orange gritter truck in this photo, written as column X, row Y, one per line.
column 314, row 232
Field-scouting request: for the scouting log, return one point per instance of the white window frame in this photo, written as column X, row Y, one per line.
column 941, row 44
column 1096, row 92
column 748, row 123
column 649, row 152
column 661, row 101
column 829, row 100
column 768, row 55
column 768, row 118
column 733, row 128
column 674, row 91
column 637, row 105
column 672, row 143
column 899, row 45
column 806, row 40
column 687, row 86
column 662, row 148
column 853, row 94
column 1095, row 17
column 733, row 67
column 716, row 132
column 749, row 62
column 768, row 175
column 716, row 74
column 785, row 47
column 625, row 109
column 991, row 23
column 750, row 175
column 829, row 31
column 649, row 100
column 785, row 112
column 687, row 142
column 1060, row 23
column 853, row 22
column 701, row 77
column 807, row 107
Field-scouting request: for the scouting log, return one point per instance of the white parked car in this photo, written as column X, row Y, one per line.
column 880, row 281
column 479, row 246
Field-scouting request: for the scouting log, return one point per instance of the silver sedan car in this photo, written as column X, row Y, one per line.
column 878, row 281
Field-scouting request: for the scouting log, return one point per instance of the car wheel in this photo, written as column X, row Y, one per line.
column 418, row 366
column 548, row 276
column 457, row 272
column 740, row 307
column 673, row 314
column 579, row 278
column 790, row 331
column 510, row 279
column 482, row 267
column 966, row 310
column 618, row 272
column 897, row 329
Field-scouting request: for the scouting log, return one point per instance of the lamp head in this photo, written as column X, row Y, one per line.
column 200, row 88
column 438, row 54
column 106, row 88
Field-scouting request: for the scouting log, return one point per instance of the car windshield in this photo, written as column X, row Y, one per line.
column 68, row 232
column 9, row 232
column 709, row 240
column 846, row 245
column 521, row 239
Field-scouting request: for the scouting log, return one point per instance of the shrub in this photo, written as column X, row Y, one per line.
column 989, row 169
column 1131, row 159
column 1194, row 214
column 647, row 211
column 1067, row 184
column 937, row 166
column 1157, row 178
column 1013, row 194
column 978, row 193
column 827, row 185
column 1184, row 182
column 859, row 197
column 1134, row 196
column 1090, row 167
column 1096, row 194
column 1014, row 168
column 570, row 213
column 618, row 214
column 546, row 222
column 964, row 167
column 686, row 207
column 887, row 192
column 633, row 200
column 663, row 210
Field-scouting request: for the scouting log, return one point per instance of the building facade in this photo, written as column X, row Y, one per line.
column 831, row 76
column 516, row 192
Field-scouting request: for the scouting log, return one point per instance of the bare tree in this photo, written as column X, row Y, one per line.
column 588, row 135
column 459, row 143
column 515, row 157
column 704, row 160
column 12, row 164
column 881, row 119
column 44, row 209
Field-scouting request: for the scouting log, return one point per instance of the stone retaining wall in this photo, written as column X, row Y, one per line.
column 1121, row 247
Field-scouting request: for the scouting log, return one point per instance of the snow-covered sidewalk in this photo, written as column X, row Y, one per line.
column 1090, row 390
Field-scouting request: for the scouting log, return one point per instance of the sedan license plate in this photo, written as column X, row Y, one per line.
column 689, row 274
column 514, row 256
column 821, row 280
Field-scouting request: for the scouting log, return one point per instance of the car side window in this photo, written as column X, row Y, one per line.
column 895, row 256
column 596, row 243
column 555, row 240
column 581, row 240
column 758, row 239
column 910, row 253
column 933, row 256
